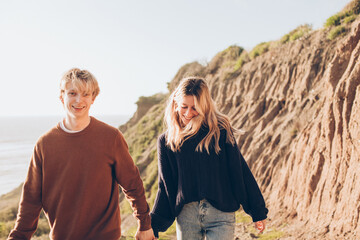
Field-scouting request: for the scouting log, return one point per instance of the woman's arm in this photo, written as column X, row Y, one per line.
column 163, row 213
column 245, row 187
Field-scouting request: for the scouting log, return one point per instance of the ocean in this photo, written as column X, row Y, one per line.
column 18, row 136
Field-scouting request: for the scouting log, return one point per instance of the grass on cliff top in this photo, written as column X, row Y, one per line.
column 338, row 22
column 259, row 49
column 348, row 14
column 245, row 57
column 225, row 59
column 297, row 33
column 263, row 47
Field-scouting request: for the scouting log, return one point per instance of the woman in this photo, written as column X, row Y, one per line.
column 203, row 178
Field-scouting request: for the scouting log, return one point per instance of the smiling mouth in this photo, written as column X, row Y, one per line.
column 78, row 108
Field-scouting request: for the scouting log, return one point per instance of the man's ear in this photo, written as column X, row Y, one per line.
column 61, row 98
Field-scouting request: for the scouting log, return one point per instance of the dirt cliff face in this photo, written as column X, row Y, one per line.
column 299, row 104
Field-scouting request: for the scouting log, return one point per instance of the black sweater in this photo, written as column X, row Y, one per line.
column 223, row 179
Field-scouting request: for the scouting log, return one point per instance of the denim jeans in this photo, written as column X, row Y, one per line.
column 200, row 220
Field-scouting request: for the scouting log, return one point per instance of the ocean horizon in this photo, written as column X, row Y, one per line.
column 18, row 135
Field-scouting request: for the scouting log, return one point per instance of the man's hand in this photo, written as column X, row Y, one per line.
column 145, row 235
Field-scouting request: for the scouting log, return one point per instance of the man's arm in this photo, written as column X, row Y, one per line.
column 128, row 176
column 30, row 202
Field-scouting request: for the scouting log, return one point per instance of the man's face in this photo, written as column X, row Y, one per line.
column 76, row 103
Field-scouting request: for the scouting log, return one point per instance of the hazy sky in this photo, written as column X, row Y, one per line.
column 133, row 47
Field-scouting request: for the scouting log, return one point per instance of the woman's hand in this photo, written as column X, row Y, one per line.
column 260, row 225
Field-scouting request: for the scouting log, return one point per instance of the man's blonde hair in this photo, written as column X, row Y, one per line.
column 209, row 116
column 82, row 80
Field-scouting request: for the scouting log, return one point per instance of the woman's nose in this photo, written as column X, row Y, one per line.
column 189, row 112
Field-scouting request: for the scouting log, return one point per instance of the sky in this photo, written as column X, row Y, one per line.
column 132, row 47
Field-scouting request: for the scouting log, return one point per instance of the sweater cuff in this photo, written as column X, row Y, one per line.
column 156, row 233
column 259, row 215
column 144, row 224
column 159, row 224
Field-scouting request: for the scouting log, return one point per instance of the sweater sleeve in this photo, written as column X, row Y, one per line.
column 245, row 187
column 128, row 176
column 30, row 202
column 163, row 213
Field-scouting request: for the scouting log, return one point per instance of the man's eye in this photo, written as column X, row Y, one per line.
column 72, row 93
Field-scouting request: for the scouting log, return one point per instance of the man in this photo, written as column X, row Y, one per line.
column 75, row 171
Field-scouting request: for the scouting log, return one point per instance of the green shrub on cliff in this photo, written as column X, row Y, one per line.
column 300, row 31
column 259, row 49
column 5, row 228
column 350, row 19
column 225, row 59
column 335, row 32
column 233, row 52
column 8, row 214
column 296, row 33
column 348, row 14
column 338, row 18
column 244, row 58
column 334, row 20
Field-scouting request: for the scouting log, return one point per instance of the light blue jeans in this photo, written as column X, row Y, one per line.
column 200, row 220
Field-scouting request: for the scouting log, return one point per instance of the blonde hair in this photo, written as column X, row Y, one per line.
column 209, row 116
column 82, row 80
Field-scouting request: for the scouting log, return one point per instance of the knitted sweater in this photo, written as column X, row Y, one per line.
column 75, row 178
column 225, row 180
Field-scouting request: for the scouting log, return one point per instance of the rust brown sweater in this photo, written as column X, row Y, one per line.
column 74, row 177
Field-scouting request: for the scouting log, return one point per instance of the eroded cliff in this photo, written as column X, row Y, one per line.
column 299, row 105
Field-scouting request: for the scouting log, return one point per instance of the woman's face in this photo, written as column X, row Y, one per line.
column 186, row 109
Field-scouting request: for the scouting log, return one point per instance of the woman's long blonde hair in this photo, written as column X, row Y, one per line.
column 209, row 116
